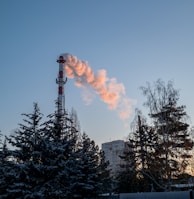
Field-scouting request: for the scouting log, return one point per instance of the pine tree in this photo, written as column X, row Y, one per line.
column 139, row 157
column 26, row 152
column 58, row 158
column 126, row 179
column 174, row 143
column 50, row 160
column 26, row 138
column 104, row 174
column 43, row 157
column 90, row 175
column 4, row 168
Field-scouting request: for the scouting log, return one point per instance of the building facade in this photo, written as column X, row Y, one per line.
column 113, row 150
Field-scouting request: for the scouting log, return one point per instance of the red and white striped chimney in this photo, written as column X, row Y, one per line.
column 60, row 81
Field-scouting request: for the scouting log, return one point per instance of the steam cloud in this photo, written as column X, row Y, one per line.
column 110, row 92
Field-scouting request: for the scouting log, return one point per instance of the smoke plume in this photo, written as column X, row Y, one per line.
column 110, row 91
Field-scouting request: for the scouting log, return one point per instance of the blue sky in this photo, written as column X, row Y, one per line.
column 135, row 41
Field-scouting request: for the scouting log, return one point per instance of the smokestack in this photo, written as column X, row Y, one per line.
column 60, row 81
column 110, row 91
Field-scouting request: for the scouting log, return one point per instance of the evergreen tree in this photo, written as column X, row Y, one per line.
column 90, row 175
column 173, row 143
column 50, row 160
column 4, row 167
column 104, row 174
column 126, row 179
column 138, row 170
column 43, row 157
column 161, row 150
column 26, row 152
column 59, row 157
column 26, row 138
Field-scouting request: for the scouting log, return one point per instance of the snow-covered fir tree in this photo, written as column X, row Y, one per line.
column 25, row 154
column 58, row 157
column 4, row 167
column 49, row 160
column 91, row 169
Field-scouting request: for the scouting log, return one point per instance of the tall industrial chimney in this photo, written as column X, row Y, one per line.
column 60, row 81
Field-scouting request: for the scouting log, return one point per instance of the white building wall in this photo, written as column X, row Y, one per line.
column 112, row 152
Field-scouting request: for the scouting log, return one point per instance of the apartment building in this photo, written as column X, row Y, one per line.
column 112, row 152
